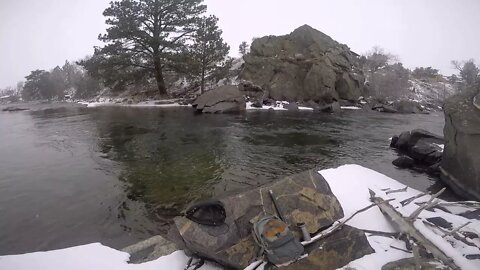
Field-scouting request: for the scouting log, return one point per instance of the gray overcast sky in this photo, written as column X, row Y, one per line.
column 40, row 34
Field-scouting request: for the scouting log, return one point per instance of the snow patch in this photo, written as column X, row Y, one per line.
column 150, row 103
column 93, row 257
column 350, row 108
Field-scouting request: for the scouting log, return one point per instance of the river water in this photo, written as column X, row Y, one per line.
column 73, row 175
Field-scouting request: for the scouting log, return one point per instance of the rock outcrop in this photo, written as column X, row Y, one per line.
column 400, row 106
column 304, row 198
column 306, row 65
column 461, row 161
column 224, row 99
column 420, row 149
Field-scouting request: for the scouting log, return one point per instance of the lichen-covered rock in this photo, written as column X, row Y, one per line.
column 304, row 65
column 224, row 99
column 342, row 247
column 303, row 198
column 461, row 160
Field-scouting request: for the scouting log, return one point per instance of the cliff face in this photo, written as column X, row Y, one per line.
column 461, row 160
column 302, row 66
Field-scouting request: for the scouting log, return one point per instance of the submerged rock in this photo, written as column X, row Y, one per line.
column 304, row 65
column 304, row 198
column 460, row 166
column 224, row 99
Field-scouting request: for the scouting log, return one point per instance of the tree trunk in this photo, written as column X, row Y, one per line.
column 159, row 77
column 202, row 87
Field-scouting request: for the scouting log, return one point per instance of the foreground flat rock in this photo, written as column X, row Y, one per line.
column 304, row 198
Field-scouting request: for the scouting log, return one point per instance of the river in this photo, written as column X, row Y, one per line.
column 73, row 175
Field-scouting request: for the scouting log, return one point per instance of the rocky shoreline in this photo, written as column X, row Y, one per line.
column 346, row 212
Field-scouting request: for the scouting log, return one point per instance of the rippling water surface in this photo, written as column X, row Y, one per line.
column 116, row 175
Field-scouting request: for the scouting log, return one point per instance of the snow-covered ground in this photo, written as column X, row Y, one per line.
column 349, row 183
column 150, row 103
column 280, row 106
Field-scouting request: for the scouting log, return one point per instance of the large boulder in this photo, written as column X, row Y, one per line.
column 304, row 65
column 224, row 99
column 303, row 198
column 460, row 167
column 407, row 106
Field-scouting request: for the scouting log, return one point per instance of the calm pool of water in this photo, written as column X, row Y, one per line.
column 73, row 175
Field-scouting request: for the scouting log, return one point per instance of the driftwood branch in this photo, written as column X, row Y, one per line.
column 405, row 225
column 454, row 231
column 397, row 190
column 431, row 203
column 337, row 226
column 411, row 199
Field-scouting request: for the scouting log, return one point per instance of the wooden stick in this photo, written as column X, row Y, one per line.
column 397, row 190
column 337, row 226
column 454, row 231
column 411, row 199
column 431, row 203
column 406, row 226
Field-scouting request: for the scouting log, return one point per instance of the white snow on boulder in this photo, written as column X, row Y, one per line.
column 351, row 184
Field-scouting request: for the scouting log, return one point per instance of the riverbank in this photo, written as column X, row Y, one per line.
column 351, row 185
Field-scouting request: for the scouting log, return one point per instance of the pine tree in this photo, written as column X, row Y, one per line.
column 142, row 38
column 208, row 51
column 243, row 48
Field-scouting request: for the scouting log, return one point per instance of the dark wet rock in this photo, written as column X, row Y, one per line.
column 407, row 106
column 426, row 153
column 304, row 65
column 400, row 106
column 394, row 141
column 336, row 251
column 224, row 99
column 460, row 168
column 420, row 149
column 257, row 104
column 292, row 106
column 304, row 198
column 14, row 109
column 434, row 170
column 404, row 162
column 403, row 139
column 384, row 108
column 254, row 92
column 330, row 108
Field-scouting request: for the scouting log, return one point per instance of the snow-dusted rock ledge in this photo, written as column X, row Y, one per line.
column 150, row 103
column 350, row 184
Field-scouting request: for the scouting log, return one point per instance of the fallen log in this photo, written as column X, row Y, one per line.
column 405, row 225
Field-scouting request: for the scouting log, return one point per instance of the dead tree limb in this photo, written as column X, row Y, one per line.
column 405, row 225
column 431, row 203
